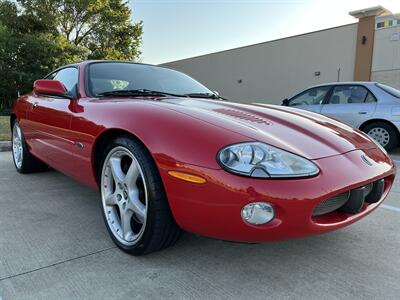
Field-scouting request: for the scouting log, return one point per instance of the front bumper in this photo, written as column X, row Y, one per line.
column 214, row 209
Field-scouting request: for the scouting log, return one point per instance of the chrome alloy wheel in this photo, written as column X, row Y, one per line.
column 124, row 196
column 17, row 145
column 381, row 135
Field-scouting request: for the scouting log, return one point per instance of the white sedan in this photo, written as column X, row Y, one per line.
column 369, row 106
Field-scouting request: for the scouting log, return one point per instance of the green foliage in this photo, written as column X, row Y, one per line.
column 23, row 58
column 5, row 130
column 103, row 27
column 37, row 36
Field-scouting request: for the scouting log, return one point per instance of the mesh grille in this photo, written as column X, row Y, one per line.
column 331, row 204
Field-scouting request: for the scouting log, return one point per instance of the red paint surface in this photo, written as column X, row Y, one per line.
column 185, row 135
column 52, row 87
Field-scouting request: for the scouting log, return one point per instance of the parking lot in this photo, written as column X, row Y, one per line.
column 53, row 244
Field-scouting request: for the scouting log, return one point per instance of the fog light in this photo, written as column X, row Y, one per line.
column 258, row 213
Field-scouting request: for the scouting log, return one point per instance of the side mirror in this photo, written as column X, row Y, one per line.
column 50, row 87
column 285, row 102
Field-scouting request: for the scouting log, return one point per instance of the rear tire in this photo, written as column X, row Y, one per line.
column 384, row 134
column 24, row 161
column 134, row 203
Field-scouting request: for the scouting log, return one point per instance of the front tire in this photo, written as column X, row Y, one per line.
column 24, row 161
column 385, row 134
column 134, row 203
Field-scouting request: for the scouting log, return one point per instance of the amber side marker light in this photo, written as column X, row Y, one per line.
column 187, row 177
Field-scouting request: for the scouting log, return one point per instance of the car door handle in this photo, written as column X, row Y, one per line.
column 362, row 112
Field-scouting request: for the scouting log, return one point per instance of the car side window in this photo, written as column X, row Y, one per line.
column 370, row 98
column 347, row 94
column 312, row 96
column 68, row 77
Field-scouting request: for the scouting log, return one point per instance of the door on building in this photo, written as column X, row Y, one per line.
column 311, row 99
column 350, row 104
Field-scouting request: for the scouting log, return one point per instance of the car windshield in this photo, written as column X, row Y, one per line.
column 388, row 89
column 117, row 78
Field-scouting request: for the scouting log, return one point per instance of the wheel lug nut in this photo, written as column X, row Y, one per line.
column 119, row 197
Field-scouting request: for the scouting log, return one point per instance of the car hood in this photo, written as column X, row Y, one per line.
column 308, row 134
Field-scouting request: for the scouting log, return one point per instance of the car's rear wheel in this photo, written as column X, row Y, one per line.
column 134, row 203
column 385, row 134
column 24, row 161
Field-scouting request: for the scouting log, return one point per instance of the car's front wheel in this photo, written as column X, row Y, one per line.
column 385, row 134
column 134, row 203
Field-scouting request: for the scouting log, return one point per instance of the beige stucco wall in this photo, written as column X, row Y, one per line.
column 386, row 57
column 274, row 70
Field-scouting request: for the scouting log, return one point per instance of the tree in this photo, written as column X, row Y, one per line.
column 23, row 58
column 103, row 27
column 37, row 36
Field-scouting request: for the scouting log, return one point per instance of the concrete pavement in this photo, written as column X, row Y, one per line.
column 53, row 245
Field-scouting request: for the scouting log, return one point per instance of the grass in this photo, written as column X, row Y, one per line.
column 5, row 132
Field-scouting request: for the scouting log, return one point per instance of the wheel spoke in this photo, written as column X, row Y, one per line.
column 111, row 200
column 115, row 165
column 126, row 216
column 136, row 205
column 19, row 155
column 132, row 175
column 19, row 135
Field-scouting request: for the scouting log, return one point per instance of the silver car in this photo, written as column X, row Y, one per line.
column 369, row 106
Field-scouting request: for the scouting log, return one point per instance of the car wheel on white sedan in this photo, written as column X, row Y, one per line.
column 134, row 203
column 385, row 134
column 24, row 161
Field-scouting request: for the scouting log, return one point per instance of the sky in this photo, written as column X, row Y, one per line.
column 178, row 29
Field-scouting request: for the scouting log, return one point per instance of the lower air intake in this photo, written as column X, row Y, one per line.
column 331, row 204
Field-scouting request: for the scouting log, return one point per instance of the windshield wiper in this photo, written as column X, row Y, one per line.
column 138, row 92
column 204, row 95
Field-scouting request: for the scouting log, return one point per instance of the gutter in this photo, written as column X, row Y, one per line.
column 5, row 146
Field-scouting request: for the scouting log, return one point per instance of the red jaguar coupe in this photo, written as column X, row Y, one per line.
column 168, row 154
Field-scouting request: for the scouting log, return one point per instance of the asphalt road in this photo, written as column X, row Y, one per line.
column 53, row 245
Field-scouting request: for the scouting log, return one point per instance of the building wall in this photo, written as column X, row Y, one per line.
column 271, row 71
column 386, row 57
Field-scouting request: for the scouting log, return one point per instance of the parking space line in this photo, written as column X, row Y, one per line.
column 390, row 207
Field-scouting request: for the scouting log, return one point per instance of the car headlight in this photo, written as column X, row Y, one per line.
column 259, row 160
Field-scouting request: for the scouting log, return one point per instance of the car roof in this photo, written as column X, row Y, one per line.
column 86, row 62
column 346, row 83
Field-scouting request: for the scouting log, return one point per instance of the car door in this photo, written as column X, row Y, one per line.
column 350, row 104
column 50, row 119
column 311, row 99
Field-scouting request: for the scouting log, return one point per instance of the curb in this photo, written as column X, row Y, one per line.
column 5, row 146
